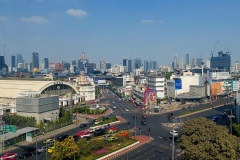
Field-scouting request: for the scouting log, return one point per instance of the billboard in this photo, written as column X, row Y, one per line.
column 178, row 84
column 150, row 96
column 235, row 86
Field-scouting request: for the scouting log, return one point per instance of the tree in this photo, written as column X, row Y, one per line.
column 84, row 146
column 203, row 139
column 66, row 149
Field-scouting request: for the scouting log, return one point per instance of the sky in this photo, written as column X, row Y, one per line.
column 111, row 30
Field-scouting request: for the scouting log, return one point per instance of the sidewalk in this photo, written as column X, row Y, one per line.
column 42, row 137
column 81, row 119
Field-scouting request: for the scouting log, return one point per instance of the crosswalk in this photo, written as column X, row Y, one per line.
column 117, row 104
column 124, row 107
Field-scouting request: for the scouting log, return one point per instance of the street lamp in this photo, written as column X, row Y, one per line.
column 54, row 116
column 230, row 117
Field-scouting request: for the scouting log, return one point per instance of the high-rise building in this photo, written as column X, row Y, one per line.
column 222, row 62
column 74, row 62
column 124, row 62
column 187, row 59
column 102, row 65
column 108, row 65
column 154, row 65
column 145, row 66
column 46, row 63
column 129, row 65
column 35, row 60
column 3, row 66
column 20, row 58
column 199, row 62
column 13, row 61
column 137, row 63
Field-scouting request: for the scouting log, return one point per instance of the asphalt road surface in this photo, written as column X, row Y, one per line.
column 159, row 148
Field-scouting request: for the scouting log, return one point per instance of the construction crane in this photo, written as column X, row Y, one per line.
column 219, row 43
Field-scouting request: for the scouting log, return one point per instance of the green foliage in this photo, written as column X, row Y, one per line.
column 168, row 75
column 236, row 129
column 66, row 149
column 19, row 121
column 83, row 146
column 203, row 139
column 100, row 119
column 88, row 110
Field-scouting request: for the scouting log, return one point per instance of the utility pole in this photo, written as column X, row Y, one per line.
column 173, row 149
column 230, row 117
column 135, row 128
column 36, row 149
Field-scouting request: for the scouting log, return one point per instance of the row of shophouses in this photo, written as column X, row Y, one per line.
column 186, row 87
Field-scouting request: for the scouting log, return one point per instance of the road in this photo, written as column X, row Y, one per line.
column 159, row 148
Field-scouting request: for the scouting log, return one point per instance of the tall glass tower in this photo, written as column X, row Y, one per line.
column 35, row 60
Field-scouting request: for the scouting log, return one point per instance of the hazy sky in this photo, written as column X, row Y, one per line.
column 111, row 30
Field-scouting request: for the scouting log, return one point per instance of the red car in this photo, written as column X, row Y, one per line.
column 9, row 156
column 83, row 134
column 112, row 129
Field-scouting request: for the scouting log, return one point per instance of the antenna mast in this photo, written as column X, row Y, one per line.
column 4, row 41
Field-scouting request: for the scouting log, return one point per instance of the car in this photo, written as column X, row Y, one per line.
column 174, row 132
column 112, row 129
column 51, row 149
column 113, row 102
column 92, row 121
column 49, row 141
column 126, row 110
column 144, row 122
column 104, row 118
column 99, row 132
column 43, row 148
column 25, row 155
column 106, row 126
column 114, row 107
column 215, row 118
column 144, row 116
column 82, row 134
column 112, row 139
column 82, row 125
column 29, row 149
column 9, row 156
column 62, row 137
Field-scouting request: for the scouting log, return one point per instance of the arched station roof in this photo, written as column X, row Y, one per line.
column 12, row 88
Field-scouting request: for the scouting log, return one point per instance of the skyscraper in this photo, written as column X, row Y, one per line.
column 35, row 60
column 19, row 58
column 124, row 62
column 13, row 61
column 222, row 62
column 3, row 66
column 102, row 65
column 137, row 63
column 187, row 59
column 108, row 65
column 199, row 61
column 46, row 63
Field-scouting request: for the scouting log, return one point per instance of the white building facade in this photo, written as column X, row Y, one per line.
column 157, row 83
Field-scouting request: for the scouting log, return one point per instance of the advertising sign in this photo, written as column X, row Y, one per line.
column 235, row 86
column 9, row 128
column 29, row 137
column 178, row 84
column 150, row 96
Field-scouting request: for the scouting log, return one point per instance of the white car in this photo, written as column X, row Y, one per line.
column 174, row 132
column 113, row 102
column 114, row 107
column 127, row 110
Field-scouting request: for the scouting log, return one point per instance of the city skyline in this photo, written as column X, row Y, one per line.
column 113, row 30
